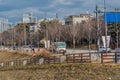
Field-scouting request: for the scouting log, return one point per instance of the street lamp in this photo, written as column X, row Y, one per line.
column 89, row 39
column 25, row 43
column 12, row 34
column 46, row 35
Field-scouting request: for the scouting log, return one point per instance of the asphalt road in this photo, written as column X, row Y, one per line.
column 73, row 51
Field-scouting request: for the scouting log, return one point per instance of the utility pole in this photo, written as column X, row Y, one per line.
column 46, row 31
column 98, row 28
column 116, row 10
column 1, row 34
column 105, row 26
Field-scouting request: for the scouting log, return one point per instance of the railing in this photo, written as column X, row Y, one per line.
column 110, row 57
column 32, row 61
column 51, row 60
column 78, row 57
column 68, row 58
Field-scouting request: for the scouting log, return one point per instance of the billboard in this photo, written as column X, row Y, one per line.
column 104, row 41
column 112, row 17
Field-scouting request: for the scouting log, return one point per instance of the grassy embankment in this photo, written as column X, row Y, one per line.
column 76, row 71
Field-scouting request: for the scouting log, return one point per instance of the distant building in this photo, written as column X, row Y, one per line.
column 33, row 27
column 4, row 24
column 39, row 21
column 77, row 19
column 28, row 18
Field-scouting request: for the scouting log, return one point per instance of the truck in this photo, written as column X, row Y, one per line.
column 59, row 47
column 103, row 49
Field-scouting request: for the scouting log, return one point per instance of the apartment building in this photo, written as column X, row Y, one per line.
column 77, row 19
column 4, row 24
column 28, row 18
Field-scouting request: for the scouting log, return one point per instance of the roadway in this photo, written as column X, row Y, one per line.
column 72, row 51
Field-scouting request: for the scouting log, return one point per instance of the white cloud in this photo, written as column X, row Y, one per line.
column 20, row 12
column 60, row 2
column 2, row 2
column 62, row 7
column 64, row 2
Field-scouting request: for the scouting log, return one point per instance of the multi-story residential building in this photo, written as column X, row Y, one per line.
column 77, row 19
column 28, row 18
column 4, row 24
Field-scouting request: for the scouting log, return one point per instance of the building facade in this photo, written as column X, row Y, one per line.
column 77, row 19
column 28, row 18
column 4, row 24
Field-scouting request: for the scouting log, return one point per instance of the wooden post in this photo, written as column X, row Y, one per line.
column 115, row 57
column 73, row 58
column 54, row 59
column 48, row 60
column 67, row 58
column 81, row 57
column 101, row 57
column 90, row 57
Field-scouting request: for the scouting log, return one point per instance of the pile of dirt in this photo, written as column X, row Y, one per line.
column 46, row 53
column 41, row 52
column 15, row 55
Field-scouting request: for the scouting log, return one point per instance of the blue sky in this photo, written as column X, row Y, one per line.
column 14, row 9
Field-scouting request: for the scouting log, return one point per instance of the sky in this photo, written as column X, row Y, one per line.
column 13, row 10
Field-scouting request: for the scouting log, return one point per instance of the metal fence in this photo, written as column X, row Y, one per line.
column 78, row 57
column 112, row 57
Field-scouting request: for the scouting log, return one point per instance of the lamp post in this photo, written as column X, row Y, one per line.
column 12, row 34
column 1, row 30
column 0, row 33
column 89, row 38
column 46, row 36
column 25, row 43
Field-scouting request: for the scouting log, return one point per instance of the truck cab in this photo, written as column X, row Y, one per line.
column 60, row 47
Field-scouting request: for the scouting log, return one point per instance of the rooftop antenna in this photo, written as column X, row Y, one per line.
column 56, row 16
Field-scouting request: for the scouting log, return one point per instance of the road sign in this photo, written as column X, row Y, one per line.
column 112, row 17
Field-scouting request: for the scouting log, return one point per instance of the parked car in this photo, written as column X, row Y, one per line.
column 117, row 50
column 2, row 47
column 26, row 48
column 14, row 48
column 103, row 49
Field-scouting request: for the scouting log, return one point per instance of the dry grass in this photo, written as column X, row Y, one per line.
column 64, row 72
column 73, row 71
column 17, row 55
column 11, row 55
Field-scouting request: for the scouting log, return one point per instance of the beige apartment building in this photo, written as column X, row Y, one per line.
column 77, row 19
